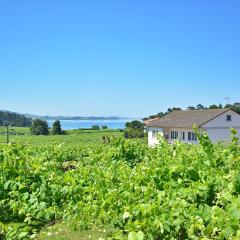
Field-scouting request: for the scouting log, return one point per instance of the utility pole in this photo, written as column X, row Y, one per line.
column 7, row 125
column 227, row 99
column 7, row 133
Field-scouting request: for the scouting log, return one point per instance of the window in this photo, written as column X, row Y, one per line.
column 153, row 134
column 229, row 118
column 189, row 136
column 192, row 136
column 195, row 136
column 183, row 135
column 174, row 134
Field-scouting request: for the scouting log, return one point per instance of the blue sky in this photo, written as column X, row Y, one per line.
column 129, row 58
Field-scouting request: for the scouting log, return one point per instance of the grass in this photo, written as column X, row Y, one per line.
column 15, row 130
column 73, row 138
column 65, row 232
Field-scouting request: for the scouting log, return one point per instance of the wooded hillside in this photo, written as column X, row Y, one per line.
column 14, row 119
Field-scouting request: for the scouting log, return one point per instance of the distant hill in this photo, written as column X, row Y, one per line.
column 14, row 119
column 25, row 120
column 73, row 117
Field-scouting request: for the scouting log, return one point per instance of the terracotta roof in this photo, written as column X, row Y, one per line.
column 187, row 119
column 146, row 122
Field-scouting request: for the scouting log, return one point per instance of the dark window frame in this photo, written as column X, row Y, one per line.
column 229, row 118
column 174, row 134
column 189, row 136
column 153, row 134
column 183, row 135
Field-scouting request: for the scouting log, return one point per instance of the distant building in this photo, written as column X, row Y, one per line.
column 178, row 125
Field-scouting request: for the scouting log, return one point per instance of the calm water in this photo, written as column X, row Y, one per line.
column 75, row 124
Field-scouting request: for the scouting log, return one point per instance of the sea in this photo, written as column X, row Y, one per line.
column 76, row 124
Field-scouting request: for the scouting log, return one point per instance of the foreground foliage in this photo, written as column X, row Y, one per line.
column 128, row 190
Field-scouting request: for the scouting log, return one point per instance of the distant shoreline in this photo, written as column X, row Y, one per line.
column 75, row 118
column 88, row 123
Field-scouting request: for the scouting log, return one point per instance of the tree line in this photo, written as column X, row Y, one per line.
column 40, row 127
column 235, row 107
column 14, row 119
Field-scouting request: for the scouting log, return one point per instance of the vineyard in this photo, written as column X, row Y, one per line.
column 122, row 188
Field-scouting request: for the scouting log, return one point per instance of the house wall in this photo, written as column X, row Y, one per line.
column 180, row 136
column 219, row 128
column 217, row 135
column 152, row 140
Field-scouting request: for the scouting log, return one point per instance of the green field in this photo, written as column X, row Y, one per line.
column 73, row 138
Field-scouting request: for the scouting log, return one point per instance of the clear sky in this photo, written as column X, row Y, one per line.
column 127, row 57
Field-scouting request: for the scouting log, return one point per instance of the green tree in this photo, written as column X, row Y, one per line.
column 191, row 108
column 228, row 106
column 159, row 115
column 39, row 127
column 173, row 109
column 56, row 129
column 200, row 106
column 14, row 119
column 135, row 125
column 236, row 107
column 213, row 106
column 134, row 129
column 104, row 127
column 131, row 133
column 95, row 127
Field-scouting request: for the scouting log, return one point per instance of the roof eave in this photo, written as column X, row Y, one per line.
column 227, row 109
column 155, row 126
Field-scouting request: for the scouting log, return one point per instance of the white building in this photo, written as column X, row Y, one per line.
column 178, row 125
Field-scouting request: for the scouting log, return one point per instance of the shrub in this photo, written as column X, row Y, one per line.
column 95, row 127
column 39, row 127
column 134, row 129
column 133, row 133
column 56, row 129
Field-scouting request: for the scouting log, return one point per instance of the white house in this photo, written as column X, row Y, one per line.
column 178, row 125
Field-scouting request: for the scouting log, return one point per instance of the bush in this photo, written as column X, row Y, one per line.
column 104, row 127
column 135, row 125
column 56, row 129
column 95, row 127
column 39, row 127
column 133, row 133
column 134, row 129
